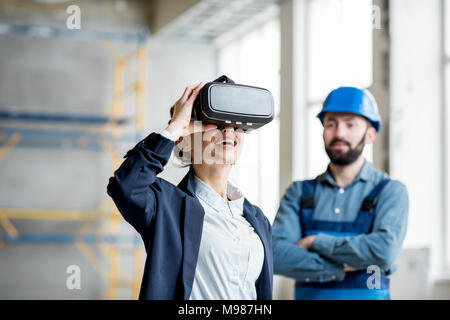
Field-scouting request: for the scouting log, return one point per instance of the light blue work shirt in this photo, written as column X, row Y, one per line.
column 329, row 253
column 231, row 253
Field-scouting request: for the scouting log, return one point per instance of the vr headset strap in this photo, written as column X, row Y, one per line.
column 225, row 79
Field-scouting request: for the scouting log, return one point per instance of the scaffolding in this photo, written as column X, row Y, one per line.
column 100, row 228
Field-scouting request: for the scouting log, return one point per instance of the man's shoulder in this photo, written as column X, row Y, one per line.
column 395, row 186
column 378, row 176
column 297, row 184
column 392, row 188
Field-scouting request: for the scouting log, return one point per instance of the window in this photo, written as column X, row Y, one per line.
column 339, row 53
column 254, row 59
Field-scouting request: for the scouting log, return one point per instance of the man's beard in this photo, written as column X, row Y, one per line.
column 340, row 158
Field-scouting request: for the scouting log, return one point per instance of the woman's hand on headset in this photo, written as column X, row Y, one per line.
column 181, row 124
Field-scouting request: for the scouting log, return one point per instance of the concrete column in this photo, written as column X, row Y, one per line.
column 293, row 109
column 292, row 92
column 381, row 84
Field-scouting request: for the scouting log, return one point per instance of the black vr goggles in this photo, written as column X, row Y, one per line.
column 224, row 103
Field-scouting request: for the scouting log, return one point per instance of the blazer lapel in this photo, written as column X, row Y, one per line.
column 253, row 217
column 192, row 233
column 258, row 223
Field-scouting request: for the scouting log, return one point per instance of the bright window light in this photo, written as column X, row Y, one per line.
column 339, row 45
column 339, row 53
column 254, row 59
column 447, row 101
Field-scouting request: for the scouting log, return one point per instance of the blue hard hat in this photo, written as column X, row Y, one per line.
column 353, row 100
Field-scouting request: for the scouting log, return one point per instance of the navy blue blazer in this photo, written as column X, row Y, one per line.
column 169, row 219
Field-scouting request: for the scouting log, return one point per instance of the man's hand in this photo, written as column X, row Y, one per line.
column 306, row 242
column 347, row 268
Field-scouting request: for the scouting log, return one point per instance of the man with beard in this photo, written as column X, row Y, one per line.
column 339, row 234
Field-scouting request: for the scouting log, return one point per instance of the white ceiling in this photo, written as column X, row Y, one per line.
column 210, row 20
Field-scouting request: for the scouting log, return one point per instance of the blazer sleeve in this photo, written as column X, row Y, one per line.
column 134, row 187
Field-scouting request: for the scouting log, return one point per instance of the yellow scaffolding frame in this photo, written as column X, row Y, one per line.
column 113, row 276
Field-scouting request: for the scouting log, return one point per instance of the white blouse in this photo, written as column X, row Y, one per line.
column 231, row 253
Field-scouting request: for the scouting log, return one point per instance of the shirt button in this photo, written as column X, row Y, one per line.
column 333, row 277
column 341, row 190
column 337, row 210
column 307, row 279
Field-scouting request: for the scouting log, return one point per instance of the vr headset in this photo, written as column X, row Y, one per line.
column 224, row 103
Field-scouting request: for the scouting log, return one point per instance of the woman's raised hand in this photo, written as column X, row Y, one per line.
column 181, row 125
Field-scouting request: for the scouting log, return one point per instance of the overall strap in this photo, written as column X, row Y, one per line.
column 371, row 200
column 307, row 205
column 308, row 190
column 225, row 79
column 364, row 221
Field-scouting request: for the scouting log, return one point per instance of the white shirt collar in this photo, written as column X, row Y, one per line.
column 215, row 201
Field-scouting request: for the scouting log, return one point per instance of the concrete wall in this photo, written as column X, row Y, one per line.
column 61, row 168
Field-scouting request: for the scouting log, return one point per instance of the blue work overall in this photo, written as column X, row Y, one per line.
column 354, row 286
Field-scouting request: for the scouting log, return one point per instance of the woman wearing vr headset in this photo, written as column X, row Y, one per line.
column 203, row 239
